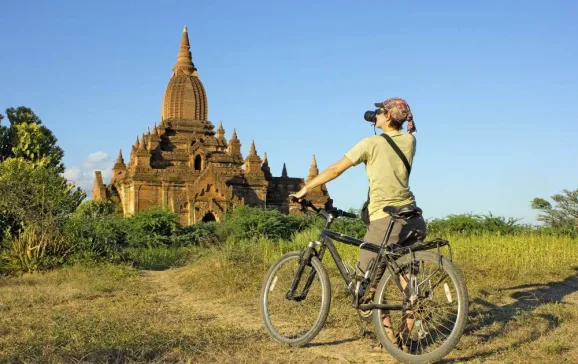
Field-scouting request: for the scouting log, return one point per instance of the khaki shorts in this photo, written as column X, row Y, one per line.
column 376, row 232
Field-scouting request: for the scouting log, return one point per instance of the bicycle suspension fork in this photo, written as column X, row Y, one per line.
column 305, row 260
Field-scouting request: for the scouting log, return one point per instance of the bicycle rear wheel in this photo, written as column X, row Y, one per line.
column 438, row 312
column 289, row 321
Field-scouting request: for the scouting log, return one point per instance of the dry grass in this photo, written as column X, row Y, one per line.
column 523, row 291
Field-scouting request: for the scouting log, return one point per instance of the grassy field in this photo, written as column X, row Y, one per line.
column 523, row 294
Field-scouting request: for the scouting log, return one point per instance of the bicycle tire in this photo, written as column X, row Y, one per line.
column 420, row 313
column 271, row 284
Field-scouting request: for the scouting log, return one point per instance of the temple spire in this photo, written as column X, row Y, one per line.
column 142, row 145
column 119, row 159
column 313, row 170
column 252, row 151
column 265, row 167
column 284, row 172
column 221, row 131
column 184, row 63
column 119, row 164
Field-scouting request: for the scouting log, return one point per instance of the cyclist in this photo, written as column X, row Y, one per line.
column 388, row 182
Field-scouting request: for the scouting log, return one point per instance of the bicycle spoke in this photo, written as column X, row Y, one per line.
column 434, row 301
column 293, row 317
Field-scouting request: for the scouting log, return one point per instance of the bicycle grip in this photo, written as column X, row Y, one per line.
column 348, row 214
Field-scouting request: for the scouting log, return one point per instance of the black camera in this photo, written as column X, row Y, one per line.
column 371, row 116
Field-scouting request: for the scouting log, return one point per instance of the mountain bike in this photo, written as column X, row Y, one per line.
column 415, row 296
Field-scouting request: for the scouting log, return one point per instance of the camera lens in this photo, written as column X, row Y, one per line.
column 370, row 116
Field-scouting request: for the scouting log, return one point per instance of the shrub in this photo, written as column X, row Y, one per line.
column 152, row 228
column 96, row 238
column 34, row 195
column 201, row 234
column 474, row 224
column 31, row 250
column 252, row 222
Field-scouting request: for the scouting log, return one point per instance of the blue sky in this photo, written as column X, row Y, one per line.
column 492, row 86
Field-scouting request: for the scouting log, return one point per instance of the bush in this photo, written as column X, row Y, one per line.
column 31, row 250
column 252, row 222
column 351, row 227
column 201, row 234
column 474, row 224
column 34, row 195
column 152, row 228
column 96, row 238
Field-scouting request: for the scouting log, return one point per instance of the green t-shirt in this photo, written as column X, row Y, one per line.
column 388, row 178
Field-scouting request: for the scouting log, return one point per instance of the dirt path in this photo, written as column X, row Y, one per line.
column 331, row 345
column 488, row 343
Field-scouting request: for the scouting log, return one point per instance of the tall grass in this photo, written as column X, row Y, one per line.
column 485, row 260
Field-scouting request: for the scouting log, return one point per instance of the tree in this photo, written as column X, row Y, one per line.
column 5, row 145
column 35, row 195
column 22, row 115
column 36, row 143
column 564, row 215
column 28, row 139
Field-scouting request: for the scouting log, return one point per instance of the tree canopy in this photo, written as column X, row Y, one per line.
column 564, row 215
column 25, row 137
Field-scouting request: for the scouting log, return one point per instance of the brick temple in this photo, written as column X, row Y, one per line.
column 183, row 164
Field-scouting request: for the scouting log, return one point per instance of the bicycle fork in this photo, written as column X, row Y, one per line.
column 304, row 261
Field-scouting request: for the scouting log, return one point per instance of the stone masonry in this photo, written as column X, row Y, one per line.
column 184, row 165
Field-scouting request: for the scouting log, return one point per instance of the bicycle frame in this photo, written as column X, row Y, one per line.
column 384, row 255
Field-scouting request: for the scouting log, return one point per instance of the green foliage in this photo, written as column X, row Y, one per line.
column 36, row 143
column 34, row 195
column 95, row 209
column 5, row 146
column 96, row 238
column 351, row 227
column 251, row 222
column 32, row 249
column 28, row 139
column 97, row 234
column 22, row 115
column 474, row 224
column 200, row 234
column 151, row 228
column 564, row 216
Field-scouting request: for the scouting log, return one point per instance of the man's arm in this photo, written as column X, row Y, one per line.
column 327, row 175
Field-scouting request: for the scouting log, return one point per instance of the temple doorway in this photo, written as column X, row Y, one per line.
column 209, row 217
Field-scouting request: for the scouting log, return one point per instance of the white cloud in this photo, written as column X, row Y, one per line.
column 83, row 177
column 96, row 159
column 72, row 174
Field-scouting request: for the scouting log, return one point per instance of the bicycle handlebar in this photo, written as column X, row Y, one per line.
column 329, row 210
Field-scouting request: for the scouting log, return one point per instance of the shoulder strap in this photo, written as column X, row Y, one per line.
column 398, row 151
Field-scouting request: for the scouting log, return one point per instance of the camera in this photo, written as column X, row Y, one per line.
column 371, row 116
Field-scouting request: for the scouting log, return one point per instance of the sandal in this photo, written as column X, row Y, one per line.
column 376, row 348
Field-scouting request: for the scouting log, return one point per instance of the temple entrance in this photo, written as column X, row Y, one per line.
column 209, row 217
column 198, row 163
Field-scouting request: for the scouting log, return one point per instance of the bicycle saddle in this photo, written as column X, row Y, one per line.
column 404, row 212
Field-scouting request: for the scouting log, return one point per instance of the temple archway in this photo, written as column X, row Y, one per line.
column 209, row 217
column 198, row 162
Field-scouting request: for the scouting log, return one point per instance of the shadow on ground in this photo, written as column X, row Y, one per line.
column 489, row 321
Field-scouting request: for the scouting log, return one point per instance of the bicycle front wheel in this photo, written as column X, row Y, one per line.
column 295, row 321
column 438, row 308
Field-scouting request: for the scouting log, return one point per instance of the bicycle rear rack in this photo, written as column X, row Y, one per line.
column 428, row 245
